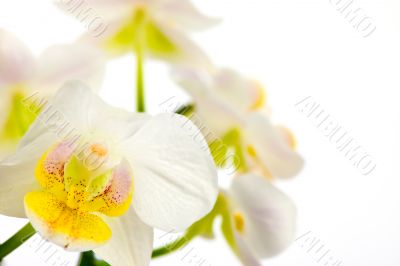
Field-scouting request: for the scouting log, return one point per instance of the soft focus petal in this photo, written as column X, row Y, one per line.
column 15, row 119
column 183, row 14
column 101, row 38
column 242, row 93
column 17, row 63
column 266, row 144
column 5, row 96
column 212, row 112
column 105, row 9
column 131, row 243
column 174, row 174
column 245, row 254
column 61, row 63
column 189, row 54
column 269, row 215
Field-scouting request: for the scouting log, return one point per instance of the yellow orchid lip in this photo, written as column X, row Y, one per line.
column 69, row 208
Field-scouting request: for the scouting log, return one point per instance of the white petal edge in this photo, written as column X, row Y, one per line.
column 86, row 113
column 271, row 147
column 174, row 175
column 65, row 114
column 105, row 9
column 131, row 243
column 269, row 215
column 17, row 175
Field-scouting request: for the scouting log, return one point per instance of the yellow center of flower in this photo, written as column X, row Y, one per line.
column 239, row 222
column 69, row 209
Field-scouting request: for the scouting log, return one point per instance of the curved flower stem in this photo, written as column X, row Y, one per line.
column 16, row 240
column 140, row 101
column 174, row 246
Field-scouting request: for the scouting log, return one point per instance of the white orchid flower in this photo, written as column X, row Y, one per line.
column 155, row 27
column 229, row 107
column 263, row 218
column 21, row 74
column 105, row 186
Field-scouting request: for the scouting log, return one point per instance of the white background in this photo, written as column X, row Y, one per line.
column 296, row 48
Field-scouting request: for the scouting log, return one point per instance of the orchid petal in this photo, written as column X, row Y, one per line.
column 244, row 94
column 245, row 254
column 184, row 14
column 189, row 54
column 17, row 176
column 17, row 62
column 269, row 216
column 266, row 143
column 131, row 242
column 210, row 109
column 174, row 174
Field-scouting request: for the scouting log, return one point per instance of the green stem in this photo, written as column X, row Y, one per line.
column 88, row 259
column 174, row 246
column 140, row 101
column 16, row 240
column 185, row 109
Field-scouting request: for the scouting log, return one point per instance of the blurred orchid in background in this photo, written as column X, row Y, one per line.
column 231, row 106
column 21, row 74
column 112, row 207
column 152, row 27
